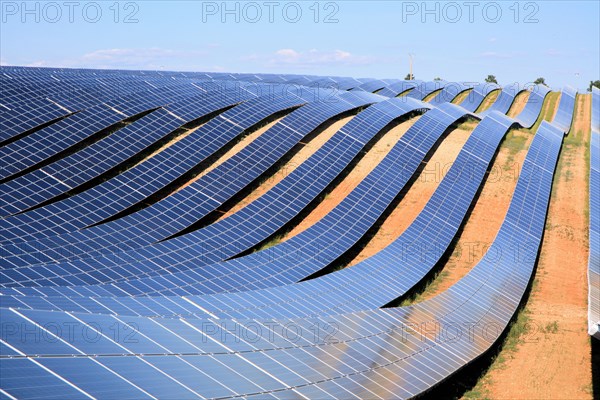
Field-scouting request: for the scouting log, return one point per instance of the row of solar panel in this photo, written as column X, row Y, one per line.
column 366, row 279
column 63, row 181
column 63, row 175
column 79, row 270
column 376, row 353
column 29, row 114
column 76, row 88
column 207, row 193
column 594, row 233
column 367, row 293
column 33, row 149
column 151, row 175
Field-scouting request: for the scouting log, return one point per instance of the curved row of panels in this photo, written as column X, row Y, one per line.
column 206, row 248
column 242, row 327
column 594, row 238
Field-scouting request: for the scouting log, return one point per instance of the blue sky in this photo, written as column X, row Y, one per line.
column 458, row 41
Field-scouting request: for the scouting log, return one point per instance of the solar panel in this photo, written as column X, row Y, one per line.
column 22, row 113
column 153, row 174
column 196, row 200
column 392, row 353
column 40, row 146
column 594, row 236
column 68, row 173
column 477, row 95
column 564, row 113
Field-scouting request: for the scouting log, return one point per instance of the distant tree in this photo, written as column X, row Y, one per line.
column 491, row 79
column 540, row 81
column 409, row 77
column 594, row 83
column 437, row 78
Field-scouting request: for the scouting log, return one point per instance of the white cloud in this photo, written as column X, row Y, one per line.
column 137, row 58
column 287, row 53
column 314, row 57
column 493, row 39
column 40, row 63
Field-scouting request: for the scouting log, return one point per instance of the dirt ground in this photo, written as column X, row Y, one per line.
column 556, row 363
column 518, row 104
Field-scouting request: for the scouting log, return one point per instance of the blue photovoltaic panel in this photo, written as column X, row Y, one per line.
column 151, row 175
column 566, row 106
column 594, row 247
column 346, row 356
column 476, row 96
column 68, row 173
column 178, row 211
column 14, row 121
column 50, row 141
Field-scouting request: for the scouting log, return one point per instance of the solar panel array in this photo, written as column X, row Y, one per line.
column 152, row 175
column 196, row 200
column 98, row 299
column 594, row 256
column 477, row 95
column 564, row 113
column 67, row 173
